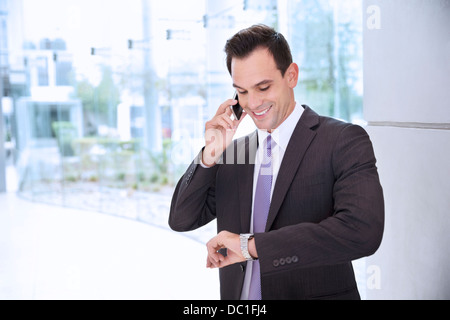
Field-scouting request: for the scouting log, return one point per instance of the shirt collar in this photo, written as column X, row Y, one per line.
column 283, row 133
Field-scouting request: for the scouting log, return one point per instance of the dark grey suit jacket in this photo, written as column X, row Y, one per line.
column 327, row 209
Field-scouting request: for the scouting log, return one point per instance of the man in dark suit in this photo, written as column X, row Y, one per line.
column 322, row 206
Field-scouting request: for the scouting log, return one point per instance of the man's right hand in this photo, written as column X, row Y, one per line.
column 219, row 133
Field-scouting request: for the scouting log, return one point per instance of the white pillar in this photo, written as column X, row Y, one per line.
column 406, row 104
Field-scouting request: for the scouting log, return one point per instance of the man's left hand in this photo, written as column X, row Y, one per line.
column 231, row 242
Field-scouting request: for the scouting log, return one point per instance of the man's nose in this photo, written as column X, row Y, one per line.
column 254, row 101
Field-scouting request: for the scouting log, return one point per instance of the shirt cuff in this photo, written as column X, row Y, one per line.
column 199, row 160
column 203, row 165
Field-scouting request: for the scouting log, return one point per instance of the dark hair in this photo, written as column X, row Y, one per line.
column 243, row 43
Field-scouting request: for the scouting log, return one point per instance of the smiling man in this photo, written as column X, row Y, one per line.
column 296, row 201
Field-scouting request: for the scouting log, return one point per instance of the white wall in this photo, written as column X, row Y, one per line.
column 407, row 106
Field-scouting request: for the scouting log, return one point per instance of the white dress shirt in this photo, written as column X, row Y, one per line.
column 282, row 136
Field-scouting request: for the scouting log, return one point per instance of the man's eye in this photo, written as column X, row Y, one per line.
column 264, row 89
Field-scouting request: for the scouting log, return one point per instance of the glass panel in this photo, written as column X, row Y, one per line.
column 326, row 40
column 108, row 110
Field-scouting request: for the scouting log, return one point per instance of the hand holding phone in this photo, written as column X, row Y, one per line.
column 237, row 109
column 220, row 130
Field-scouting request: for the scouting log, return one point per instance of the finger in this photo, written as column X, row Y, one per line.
column 225, row 262
column 228, row 119
column 218, row 257
column 222, row 120
column 214, row 257
column 214, row 263
column 229, row 110
column 220, row 264
column 221, row 257
column 225, row 107
column 212, row 248
column 225, row 122
column 236, row 123
column 210, row 263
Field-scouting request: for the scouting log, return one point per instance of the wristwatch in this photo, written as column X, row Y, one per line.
column 244, row 245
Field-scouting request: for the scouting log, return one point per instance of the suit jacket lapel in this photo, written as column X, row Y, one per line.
column 298, row 145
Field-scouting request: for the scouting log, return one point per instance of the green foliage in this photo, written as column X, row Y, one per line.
column 65, row 133
column 100, row 101
column 122, row 164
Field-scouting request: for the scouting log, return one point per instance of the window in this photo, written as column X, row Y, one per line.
column 118, row 94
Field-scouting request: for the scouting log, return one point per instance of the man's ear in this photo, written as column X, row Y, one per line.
column 291, row 75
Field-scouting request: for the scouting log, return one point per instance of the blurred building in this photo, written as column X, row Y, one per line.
column 49, row 78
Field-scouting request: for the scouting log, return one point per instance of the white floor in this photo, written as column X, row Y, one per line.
column 49, row 252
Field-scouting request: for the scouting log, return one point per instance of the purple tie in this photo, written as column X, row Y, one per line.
column 261, row 211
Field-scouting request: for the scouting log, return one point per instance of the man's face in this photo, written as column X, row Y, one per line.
column 266, row 96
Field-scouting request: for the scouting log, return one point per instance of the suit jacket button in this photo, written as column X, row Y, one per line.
column 294, row 259
column 288, row 260
column 276, row 263
column 282, row 261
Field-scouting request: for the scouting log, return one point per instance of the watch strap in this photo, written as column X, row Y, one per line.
column 245, row 237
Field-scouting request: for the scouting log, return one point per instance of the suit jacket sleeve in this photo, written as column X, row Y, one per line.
column 193, row 203
column 356, row 226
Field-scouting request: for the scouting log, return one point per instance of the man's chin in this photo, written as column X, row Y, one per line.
column 265, row 128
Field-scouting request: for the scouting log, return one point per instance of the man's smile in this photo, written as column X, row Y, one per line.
column 262, row 113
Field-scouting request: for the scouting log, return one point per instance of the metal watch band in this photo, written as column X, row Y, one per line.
column 244, row 245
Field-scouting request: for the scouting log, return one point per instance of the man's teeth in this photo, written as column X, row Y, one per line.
column 264, row 112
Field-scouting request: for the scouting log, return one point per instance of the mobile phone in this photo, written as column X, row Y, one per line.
column 237, row 109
